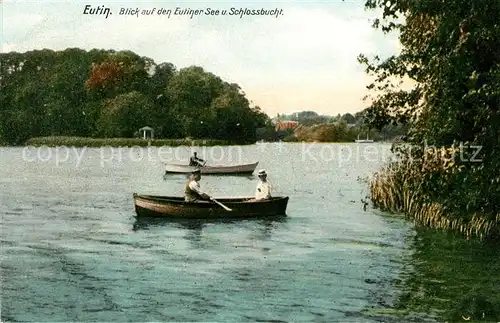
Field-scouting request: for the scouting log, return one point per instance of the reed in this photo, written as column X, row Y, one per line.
column 422, row 187
column 55, row 141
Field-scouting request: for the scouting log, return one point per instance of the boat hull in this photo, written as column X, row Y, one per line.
column 176, row 207
column 236, row 169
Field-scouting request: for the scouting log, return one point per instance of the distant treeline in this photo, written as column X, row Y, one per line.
column 57, row 141
column 340, row 128
column 105, row 94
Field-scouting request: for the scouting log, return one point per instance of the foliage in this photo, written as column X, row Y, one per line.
column 105, row 93
column 306, row 118
column 426, row 185
column 349, row 118
column 56, row 141
column 124, row 114
column 345, row 128
column 331, row 132
column 450, row 52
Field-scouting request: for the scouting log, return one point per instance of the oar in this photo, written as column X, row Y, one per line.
column 222, row 205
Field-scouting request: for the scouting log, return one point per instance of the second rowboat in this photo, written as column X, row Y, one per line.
column 235, row 169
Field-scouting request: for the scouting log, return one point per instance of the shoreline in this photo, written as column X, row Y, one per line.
column 56, row 141
column 79, row 142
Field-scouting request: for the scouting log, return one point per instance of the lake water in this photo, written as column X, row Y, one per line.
column 73, row 250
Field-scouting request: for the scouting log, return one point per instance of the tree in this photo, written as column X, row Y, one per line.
column 450, row 51
column 162, row 75
column 191, row 91
column 119, row 73
column 235, row 119
column 123, row 115
column 349, row 118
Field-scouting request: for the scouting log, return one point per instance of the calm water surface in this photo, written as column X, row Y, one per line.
column 73, row 250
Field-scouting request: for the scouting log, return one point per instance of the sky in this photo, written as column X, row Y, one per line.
column 304, row 59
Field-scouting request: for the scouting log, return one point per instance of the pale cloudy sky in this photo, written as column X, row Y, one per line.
column 302, row 60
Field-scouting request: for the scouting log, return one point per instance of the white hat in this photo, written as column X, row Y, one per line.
column 262, row 172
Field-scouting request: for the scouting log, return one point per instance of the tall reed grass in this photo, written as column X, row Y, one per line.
column 422, row 189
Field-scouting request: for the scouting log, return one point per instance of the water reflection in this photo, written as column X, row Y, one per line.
column 197, row 235
column 449, row 278
column 265, row 225
column 147, row 223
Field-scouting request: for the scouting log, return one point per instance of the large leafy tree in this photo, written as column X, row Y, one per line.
column 235, row 118
column 191, row 92
column 450, row 50
column 24, row 93
column 165, row 119
column 119, row 73
column 125, row 114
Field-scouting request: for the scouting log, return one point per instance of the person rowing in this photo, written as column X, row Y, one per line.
column 193, row 192
column 195, row 161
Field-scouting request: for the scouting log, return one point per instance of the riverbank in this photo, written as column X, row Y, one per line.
column 125, row 142
column 437, row 190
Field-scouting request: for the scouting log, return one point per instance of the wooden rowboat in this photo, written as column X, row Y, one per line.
column 176, row 207
column 235, row 169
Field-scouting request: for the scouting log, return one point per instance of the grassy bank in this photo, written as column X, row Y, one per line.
column 435, row 192
column 123, row 142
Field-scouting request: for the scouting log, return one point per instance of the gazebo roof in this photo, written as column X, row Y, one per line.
column 146, row 128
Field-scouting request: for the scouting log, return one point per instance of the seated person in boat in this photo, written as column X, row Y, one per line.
column 193, row 192
column 263, row 190
column 195, row 161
